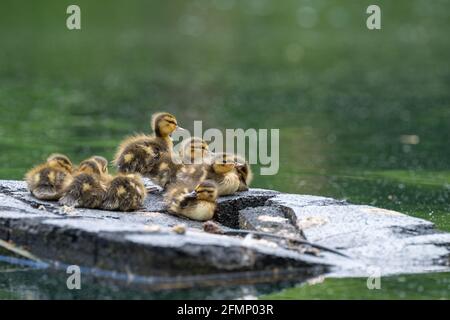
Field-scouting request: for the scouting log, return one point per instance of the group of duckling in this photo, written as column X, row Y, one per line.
column 88, row 185
column 192, row 179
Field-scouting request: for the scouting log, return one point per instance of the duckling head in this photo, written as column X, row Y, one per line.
column 222, row 163
column 163, row 124
column 60, row 160
column 194, row 150
column 205, row 191
column 90, row 166
column 102, row 162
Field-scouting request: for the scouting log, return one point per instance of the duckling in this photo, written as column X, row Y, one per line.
column 150, row 155
column 46, row 181
column 243, row 170
column 198, row 204
column 186, row 179
column 102, row 162
column 194, row 150
column 125, row 192
column 222, row 171
column 87, row 189
column 165, row 171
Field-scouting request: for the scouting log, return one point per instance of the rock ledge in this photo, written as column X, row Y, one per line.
column 143, row 243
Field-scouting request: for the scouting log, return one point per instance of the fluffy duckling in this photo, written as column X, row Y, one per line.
column 150, row 155
column 194, row 150
column 222, row 171
column 46, row 181
column 243, row 170
column 125, row 192
column 199, row 204
column 186, row 179
column 87, row 189
column 102, row 162
column 165, row 171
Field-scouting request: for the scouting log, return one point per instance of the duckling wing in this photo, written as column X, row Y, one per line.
column 243, row 174
column 186, row 200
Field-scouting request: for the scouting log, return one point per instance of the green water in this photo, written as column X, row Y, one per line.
column 417, row 287
column 363, row 115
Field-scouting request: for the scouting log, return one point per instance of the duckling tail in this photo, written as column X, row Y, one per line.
column 46, row 193
column 69, row 200
column 110, row 203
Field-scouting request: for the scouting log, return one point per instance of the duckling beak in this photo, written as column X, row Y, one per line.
column 191, row 195
column 178, row 128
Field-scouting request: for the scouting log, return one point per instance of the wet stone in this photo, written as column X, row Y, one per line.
column 143, row 242
column 228, row 207
column 268, row 219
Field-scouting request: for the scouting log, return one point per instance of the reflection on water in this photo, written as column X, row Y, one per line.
column 26, row 279
column 363, row 115
column 429, row 286
column 22, row 279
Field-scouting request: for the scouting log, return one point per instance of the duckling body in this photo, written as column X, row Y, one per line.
column 140, row 154
column 191, row 174
column 87, row 189
column 198, row 204
column 125, row 193
column 228, row 183
column 186, row 179
column 222, row 171
column 150, row 155
column 165, row 171
column 243, row 170
column 46, row 181
column 197, row 210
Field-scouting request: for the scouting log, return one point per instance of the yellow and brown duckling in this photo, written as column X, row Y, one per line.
column 125, row 192
column 199, row 204
column 186, row 179
column 87, row 188
column 222, row 171
column 46, row 181
column 166, row 170
column 194, row 150
column 102, row 162
column 193, row 154
column 243, row 170
column 150, row 155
